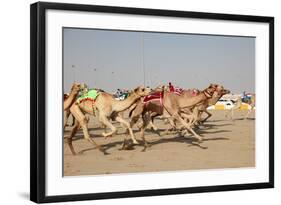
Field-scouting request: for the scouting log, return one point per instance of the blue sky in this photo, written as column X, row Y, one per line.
column 123, row 59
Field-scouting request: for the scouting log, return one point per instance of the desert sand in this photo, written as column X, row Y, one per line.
column 226, row 144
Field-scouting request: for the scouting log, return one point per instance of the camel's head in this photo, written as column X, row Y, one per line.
column 225, row 91
column 209, row 91
column 83, row 88
column 220, row 91
column 142, row 91
column 76, row 87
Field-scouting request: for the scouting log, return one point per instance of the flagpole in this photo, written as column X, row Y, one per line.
column 142, row 57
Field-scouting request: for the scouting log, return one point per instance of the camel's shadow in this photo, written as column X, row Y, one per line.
column 179, row 139
column 244, row 118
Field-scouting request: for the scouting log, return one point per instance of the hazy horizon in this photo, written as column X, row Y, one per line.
column 110, row 59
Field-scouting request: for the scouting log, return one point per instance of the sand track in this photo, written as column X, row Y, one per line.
column 226, row 144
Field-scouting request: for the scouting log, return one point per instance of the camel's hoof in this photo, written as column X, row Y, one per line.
column 106, row 135
column 199, row 139
column 127, row 147
column 158, row 133
column 136, row 143
column 103, row 151
column 146, row 146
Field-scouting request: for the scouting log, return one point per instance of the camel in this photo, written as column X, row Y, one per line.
column 219, row 92
column 252, row 103
column 108, row 108
column 171, row 106
column 237, row 105
column 72, row 96
column 69, row 100
column 192, row 115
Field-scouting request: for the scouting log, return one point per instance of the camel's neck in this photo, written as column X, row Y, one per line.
column 122, row 105
column 191, row 101
column 71, row 98
column 237, row 104
column 214, row 99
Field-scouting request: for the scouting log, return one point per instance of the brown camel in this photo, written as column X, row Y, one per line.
column 171, row 106
column 108, row 108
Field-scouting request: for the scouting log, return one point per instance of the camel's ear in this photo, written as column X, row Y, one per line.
column 214, row 85
column 136, row 89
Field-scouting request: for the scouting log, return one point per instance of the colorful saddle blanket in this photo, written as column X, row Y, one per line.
column 158, row 96
column 90, row 95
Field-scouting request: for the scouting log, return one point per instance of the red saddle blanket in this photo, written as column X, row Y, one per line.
column 154, row 96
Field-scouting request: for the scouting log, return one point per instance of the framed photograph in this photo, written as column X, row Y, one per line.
column 129, row 102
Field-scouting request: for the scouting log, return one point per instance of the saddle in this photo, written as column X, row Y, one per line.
column 156, row 96
column 90, row 95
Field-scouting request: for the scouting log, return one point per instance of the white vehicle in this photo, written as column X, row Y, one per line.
column 228, row 104
column 225, row 103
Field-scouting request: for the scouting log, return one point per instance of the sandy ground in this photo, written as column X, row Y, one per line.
column 226, row 144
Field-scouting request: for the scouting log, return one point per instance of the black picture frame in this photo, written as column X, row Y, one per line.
column 38, row 101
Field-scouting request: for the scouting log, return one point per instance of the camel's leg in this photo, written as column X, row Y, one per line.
column 229, row 114
column 198, row 115
column 151, row 123
column 122, row 116
column 66, row 115
column 146, row 119
column 209, row 115
column 194, row 118
column 134, row 120
column 81, row 118
column 107, row 123
column 188, row 118
column 153, row 126
column 72, row 134
column 127, row 125
column 72, row 120
column 232, row 114
column 187, row 126
column 248, row 113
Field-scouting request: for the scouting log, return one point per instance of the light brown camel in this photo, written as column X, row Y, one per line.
column 193, row 115
column 72, row 96
column 109, row 109
column 171, row 106
column 219, row 92
column 69, row 99
column 252, row 103
column 237, row 105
